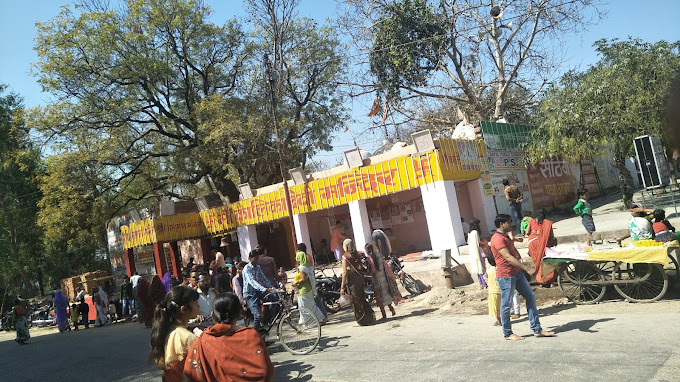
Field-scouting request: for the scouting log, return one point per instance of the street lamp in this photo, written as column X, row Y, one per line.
column 273, row 79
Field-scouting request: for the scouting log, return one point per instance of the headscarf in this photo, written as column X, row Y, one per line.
column 219, row 260
column 167, row 281
column 348, row 245
column 157, row 290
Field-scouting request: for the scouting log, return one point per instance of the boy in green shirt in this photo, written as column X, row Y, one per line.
column 584, row 209
column 525, row 222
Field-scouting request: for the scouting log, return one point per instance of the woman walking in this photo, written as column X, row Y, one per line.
column 477, row 263
column 385, row 287
column 541, row 236
column 170, row 340
column 157, row 291
column 60, row 307
column 101, row 305
column 226, row 351
column 353, row 279
column 144, row 297
column 20, row 322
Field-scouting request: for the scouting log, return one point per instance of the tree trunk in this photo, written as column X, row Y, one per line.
column 15, row 248
column 625, row 180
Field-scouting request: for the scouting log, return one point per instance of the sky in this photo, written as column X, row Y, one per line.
column 650, row 20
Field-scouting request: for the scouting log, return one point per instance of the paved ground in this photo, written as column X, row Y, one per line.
column 613, row 340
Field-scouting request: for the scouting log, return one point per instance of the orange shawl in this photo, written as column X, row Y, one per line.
column 229, row 353
column 538, row 241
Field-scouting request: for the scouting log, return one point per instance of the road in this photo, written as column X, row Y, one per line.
column 611, row 341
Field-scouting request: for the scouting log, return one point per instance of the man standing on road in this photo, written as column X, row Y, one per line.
column 267, row 264
column 514, row 197
column 336, row 240
column 508, row 267
column 255, row 288
column 127, row 298
column 206, row 297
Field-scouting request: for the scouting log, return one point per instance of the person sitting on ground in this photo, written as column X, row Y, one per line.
column 663, row 229
column 170, row 340
column 639, row 227
column 226, row 351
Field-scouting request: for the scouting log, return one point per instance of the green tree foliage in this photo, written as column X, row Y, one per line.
column 623, row 96
column 20, row 250
column 426, row 55
column 130, row 83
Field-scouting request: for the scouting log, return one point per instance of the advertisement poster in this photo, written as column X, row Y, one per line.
column 552, row 183
column 406, row 213
column 376, row 218
column 396, row 215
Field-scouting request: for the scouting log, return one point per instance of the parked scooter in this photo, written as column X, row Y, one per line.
column 6, row 322
column 407, row 281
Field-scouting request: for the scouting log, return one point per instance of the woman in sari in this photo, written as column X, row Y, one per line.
column 100, row 301
column 60, row 305
column 477, row 263
column 354, row 280
column 541, row 236
column 20, row 322
column 144, row 297
column 170, row 340
column 306, row 284
column 226, row 351
column 385, row 287
column 167, row 282
column 157, row 291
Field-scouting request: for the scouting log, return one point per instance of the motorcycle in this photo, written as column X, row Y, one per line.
column 43, row 317
column 407, row 281
column 6, row 322
column 328, row 288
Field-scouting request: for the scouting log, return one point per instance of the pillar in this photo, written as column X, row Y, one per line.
column 247, row 240
column 443, row 216
column 174, row 257
column 361, row 226
column 483, row 206
column 130, row 261
column 159, row 257
column 302, row 231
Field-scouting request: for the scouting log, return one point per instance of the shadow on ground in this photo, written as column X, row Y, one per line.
column 582, row 325
column 292, row 371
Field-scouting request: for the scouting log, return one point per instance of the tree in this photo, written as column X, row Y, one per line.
column 130, row 84
column 19, row 167
column 427, row 55
column 623, row 96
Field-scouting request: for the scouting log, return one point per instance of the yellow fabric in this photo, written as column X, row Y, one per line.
column 177, row 345
column 494, row 292
column 655, row 255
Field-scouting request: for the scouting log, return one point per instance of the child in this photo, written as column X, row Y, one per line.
column 283, row 278
column 525, row 222
column 494, row 291
column 663, row 229
column 584, row 209
column 74, row 316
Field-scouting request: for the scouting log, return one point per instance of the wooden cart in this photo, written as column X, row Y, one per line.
column 639, row 274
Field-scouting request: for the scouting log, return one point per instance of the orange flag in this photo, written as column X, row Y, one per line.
column 375, row 109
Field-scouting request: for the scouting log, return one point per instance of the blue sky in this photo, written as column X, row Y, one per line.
column 650, row 20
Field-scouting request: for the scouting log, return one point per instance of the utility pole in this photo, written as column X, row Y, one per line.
column 273, row 79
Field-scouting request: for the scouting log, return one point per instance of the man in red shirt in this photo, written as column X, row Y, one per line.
column 510, row 277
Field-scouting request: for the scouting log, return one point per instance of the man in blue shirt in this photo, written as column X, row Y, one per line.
column 255, row 288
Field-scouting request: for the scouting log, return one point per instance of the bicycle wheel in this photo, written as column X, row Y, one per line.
column 411, row 285
column 572, row 278
column 643, row 282
column 299, row 331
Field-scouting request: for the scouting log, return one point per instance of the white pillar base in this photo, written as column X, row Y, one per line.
column 483, row 206
column 361, row 226
column 302, row 231
column 443, row 216
column 247, row 240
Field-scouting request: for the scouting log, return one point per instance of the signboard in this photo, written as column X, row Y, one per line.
column 552, row 183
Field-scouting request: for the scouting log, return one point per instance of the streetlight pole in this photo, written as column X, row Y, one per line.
column 279, row 145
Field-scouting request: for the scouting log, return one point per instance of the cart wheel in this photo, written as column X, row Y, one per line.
column 672, row 269
column 646, row 282
column 570, row 281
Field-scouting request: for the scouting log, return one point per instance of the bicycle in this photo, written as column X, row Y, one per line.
column 298, row 329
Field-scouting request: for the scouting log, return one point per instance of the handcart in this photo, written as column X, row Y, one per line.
column 638, row 274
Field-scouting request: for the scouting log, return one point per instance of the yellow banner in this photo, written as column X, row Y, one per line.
column 454, row 160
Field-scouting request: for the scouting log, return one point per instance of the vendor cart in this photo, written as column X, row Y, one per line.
column 638, row 274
